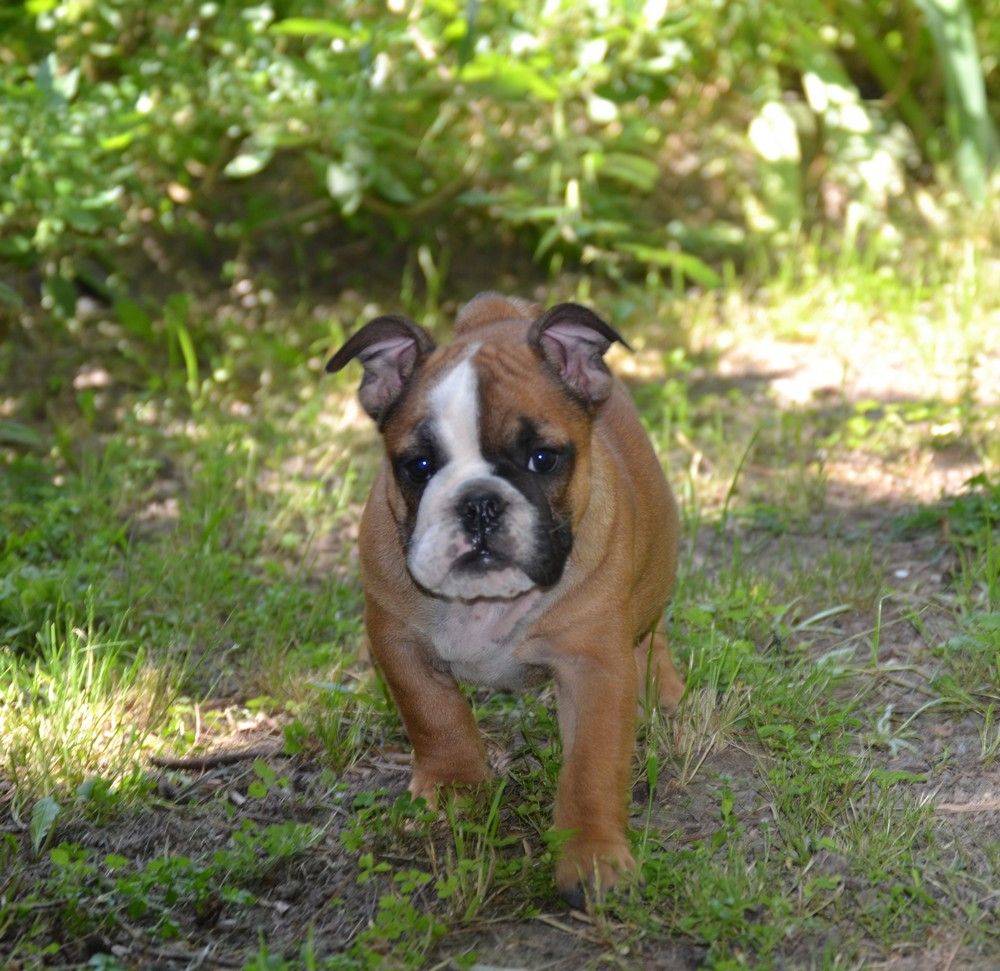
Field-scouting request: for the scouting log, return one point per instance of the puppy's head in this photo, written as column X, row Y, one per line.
column 488, row 439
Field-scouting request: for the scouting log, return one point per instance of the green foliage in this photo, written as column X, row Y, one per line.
column 43, row 815
column 636, row 137
column 343, row 719
column 92, row 892
column 966, row 516
column 971, row 125
column 971, row 659
column 43, row 525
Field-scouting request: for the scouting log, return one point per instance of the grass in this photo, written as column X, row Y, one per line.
column 178, row 578
column 78, row 715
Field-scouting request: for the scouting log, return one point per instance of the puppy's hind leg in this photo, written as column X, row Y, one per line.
column 659, row 681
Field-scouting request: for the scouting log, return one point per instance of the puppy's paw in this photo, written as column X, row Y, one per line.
column 586, row 869
column 427, row 784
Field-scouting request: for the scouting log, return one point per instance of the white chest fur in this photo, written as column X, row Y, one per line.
column 478, row 639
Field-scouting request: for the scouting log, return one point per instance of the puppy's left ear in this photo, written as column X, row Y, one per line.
column 573, row 341
column 389, row 348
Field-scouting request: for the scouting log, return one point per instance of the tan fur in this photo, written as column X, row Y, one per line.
column 486, row 308
column 596, row 631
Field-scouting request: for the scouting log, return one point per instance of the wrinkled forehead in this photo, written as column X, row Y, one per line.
column 481, row 397
column 518, row 394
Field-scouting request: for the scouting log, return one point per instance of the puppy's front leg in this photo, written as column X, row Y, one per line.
column 447, row 746
column 597, row 697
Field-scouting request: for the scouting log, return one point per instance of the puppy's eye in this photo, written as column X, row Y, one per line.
column 419, row 470
column 543, row 460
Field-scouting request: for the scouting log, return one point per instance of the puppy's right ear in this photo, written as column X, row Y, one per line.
column 389, row 348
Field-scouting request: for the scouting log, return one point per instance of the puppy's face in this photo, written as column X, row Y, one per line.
column 488, row 459
column 488, row 442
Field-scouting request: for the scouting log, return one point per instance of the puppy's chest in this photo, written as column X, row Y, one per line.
column 478, row 641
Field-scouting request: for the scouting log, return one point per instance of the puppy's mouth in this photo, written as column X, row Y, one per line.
column 483, row 574
column 482, row 560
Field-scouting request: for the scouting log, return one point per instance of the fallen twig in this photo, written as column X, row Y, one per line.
column 214, row 759
column 983, row 806
column 566, row 929
column 193, row 960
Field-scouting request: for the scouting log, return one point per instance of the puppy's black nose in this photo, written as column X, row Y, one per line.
column 480, row 515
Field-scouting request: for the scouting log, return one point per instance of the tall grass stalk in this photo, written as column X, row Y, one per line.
column 972, row 129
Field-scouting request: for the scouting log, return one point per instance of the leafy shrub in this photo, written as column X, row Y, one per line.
column 631, row 136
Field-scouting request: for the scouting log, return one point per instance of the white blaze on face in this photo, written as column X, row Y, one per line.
column 439, row 538
column 455, row 421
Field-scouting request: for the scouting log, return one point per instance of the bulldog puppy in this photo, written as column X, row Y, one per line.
column 520, row 527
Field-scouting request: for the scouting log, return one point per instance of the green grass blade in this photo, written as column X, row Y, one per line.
column 975, row 135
